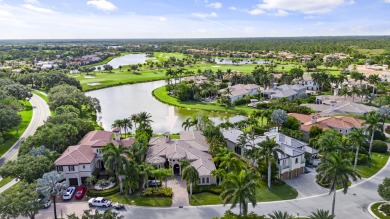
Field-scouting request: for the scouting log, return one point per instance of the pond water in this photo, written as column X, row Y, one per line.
column 242, row 62
column 123, row 101
column 129, row 59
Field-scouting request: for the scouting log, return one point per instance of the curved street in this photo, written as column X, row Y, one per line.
column 41, row 112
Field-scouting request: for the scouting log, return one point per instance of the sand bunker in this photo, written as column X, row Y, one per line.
column 87, row 76
column 93, row 84
column 215, row 66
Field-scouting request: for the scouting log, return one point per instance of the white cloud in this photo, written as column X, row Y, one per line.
column 304, row 6
column 281, row 13
column 103, row 5
column 256, row 11
column 205, row 15
column 37, row 9
column 162, row 19
column 4, row 13
column 215, row 5
column 232, row 8
column 31, row 1
column 387, row 1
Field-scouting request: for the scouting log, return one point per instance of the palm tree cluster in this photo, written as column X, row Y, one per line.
column 139, row 121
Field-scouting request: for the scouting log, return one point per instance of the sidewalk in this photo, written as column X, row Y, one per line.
column 8, row 185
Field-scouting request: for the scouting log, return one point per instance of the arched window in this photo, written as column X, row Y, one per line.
column 202, row 180
column 207, row 180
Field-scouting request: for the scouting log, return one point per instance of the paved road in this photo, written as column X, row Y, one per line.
column 41, row 112
column 352, row 205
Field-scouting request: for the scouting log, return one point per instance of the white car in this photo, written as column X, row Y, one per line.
column 99, row 202
column 69, row 193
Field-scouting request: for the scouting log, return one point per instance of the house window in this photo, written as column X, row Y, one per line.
column 202, row 180
column 98, row 151
column 207, row 180
column 71, row 168
column 83, row 166
column 60, row 168
column 296, row 160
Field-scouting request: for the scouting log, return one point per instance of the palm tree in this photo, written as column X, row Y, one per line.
column 191, row 175
column 52, row 184
column 144, row 119
column 187, row 124
column 220, row 173
column 357, row 137
column 162, row 174
column 329, row 141
column 337, row 171
column 321, row 214
column 118, row 124
column 147, row 171
column 238, row 189
column 127, row 124
column 280, row 215
column 90, row 180
column 269, row 149
column 227, row 160
column 372, row 123
column 138, row 151
column 115, row 160
column 134, row 118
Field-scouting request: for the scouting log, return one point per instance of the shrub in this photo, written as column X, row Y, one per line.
column 379, row 146
column 103, row 193
column 258, row 130
column 385, row 208
column 240, row 102
column 378, row 135
column 363, row 159
column 230, row 215
column 206, row 188
column 157, row 192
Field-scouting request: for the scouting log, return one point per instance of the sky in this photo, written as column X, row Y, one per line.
column 111, row 19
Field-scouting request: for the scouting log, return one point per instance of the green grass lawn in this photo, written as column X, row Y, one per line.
column 162, row 95
column 284, row 192
column 377, row 163
column 374, row 209
column 141, row 201
column 17, row 132
column 163, row 56
column 371, row 51
column 5, row 180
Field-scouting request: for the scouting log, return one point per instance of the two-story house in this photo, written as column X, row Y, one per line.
column 78, row 162
column 291, row 164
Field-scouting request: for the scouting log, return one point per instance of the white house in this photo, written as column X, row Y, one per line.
column 238, row 91
column 291, row 164
column 309, row 83
column 191, row 146
column 78, row 162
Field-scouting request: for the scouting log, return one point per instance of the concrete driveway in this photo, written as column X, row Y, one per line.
column 180, row 194
column 306, row 184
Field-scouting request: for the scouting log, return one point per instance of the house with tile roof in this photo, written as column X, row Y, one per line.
column 164, row 152
column 78, row 162
column 342, row 124
column 285, row 91
column 291, row 164
column 239, row 91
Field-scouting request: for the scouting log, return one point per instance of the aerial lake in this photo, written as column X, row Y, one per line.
column 129, row 59
column 123, row 101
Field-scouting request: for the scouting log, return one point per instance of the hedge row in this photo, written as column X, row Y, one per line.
column 103, row 193
column 207, row 188
column 158, row 192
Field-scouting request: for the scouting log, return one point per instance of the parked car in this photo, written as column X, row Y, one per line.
column 45, row 203
column 154, row 183
column 118, row 206
column 99, row 202
column 69, row 193
column 80, row 192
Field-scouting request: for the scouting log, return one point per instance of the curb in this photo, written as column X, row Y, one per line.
column 372, row 213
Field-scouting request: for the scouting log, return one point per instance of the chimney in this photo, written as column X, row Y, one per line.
column 117, row 134
column 167, row 138
column 336, row 92
column 313, row 119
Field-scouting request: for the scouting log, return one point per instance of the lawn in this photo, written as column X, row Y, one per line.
column 374, row 209
column 162, row 95
column 283, row 192
column 17, row 132
column 5, row 180
column 141, row 201
column 163, row 56
column 371, row 51
column 378, row 162
column 44, row 97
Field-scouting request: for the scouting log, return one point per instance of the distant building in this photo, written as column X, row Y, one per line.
column 291, row 163
column 342, row 124
column 238, row 91
column 285, row 91
column 309, row 83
